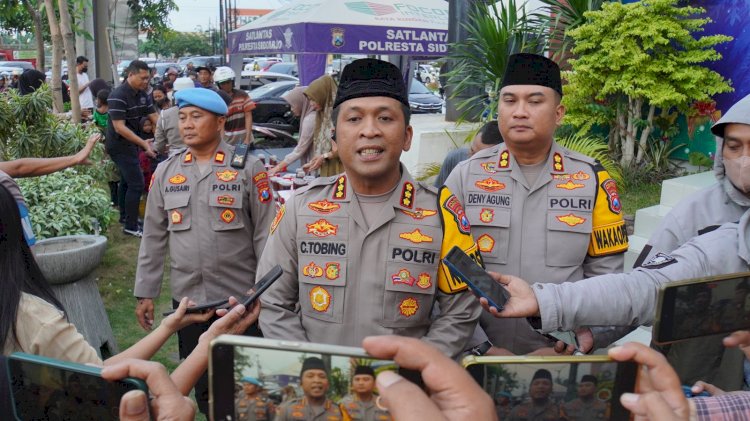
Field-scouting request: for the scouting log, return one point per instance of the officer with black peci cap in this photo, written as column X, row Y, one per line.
column 212, row 219
column 540, row 407
column 538, row 210
column 361, row 250
column 314, row 405
column 361, row 403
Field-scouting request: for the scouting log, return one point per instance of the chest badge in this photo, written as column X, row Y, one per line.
column 570, row 185
column 226, row 175
column 312, row 271
column 323, row 206
column 485, row 243
column 419, row 213
column 571, row 220
column 408, row 307
column 403, row 277
column 415, row 237
column 407, row 195
column 176, row 217
column 487, row 215
column 225, row 200
column 228, row 216
column 320, row 299
column 489, row 184
column 322, row 228
column 332, row 271
column 424, row 280
column 177, row 179
column 488, row 167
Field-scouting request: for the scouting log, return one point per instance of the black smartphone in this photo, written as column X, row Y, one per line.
column 563, row 383
column 475, row 277
column 45, row 388
column 201, row 307
column 261, row 286
column 245, row 366
column 240, row 155
column 702, row 307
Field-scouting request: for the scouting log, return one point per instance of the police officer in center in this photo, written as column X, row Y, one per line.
column 361, row 403
column 314, row 405
column 538, row 210
column 212, row 218
column 251, row 405
column 540, row 407
column 361, row 250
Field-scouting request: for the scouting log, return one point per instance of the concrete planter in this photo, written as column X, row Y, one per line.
column 68, row 263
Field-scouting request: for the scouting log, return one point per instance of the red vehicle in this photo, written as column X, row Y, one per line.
column 7, row 55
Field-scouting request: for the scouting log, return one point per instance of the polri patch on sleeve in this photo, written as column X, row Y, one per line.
column 659, row 260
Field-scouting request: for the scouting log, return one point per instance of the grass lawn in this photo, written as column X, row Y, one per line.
column 639, row 196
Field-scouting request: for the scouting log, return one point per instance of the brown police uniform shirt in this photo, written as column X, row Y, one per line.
column 578, row 410
column 565, row 226
column 364, row 411
column 254, row 408
column 344, row 281
column 530, row 412
column 300, row 410
column 216, row 225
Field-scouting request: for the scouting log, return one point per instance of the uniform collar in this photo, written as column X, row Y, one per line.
column 221, row 156
column 403, row 195
column 556, row 161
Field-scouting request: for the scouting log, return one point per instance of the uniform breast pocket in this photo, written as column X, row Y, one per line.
column 178, row 211
column 491, row 230
column 568, row 235
column 409, row 293
column 226, row 208
column 322, row 287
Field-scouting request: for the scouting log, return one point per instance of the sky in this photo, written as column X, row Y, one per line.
column 198, row 14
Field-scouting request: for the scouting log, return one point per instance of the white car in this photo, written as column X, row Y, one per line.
column 251, row 80
column 427, row 73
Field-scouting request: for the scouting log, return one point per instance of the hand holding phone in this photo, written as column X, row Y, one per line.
column 479, row 282
column 261, row 286
column 200, row 307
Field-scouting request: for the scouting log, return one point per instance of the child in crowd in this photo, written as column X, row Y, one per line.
column 101, row 121
column 147, row 164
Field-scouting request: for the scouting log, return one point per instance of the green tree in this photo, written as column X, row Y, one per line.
column 152, row 16
column 633, row 58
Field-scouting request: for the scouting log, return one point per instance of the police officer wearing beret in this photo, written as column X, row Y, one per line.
column 252, row 405
column 360, row 404
column 586, row 406
column 361, row 250
column 314, row 405
column 541, row 407
column 212, row 218
column 538, row 210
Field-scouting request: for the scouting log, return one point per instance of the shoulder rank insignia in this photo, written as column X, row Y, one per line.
column 188, row 158
column 226, row 175
column 557, row 162
column 225, row 200
column 490, row 184
column 312, row 271
column 610, row 187
column 176, row 217
column 571, row 220
column 320, row 299
column 332, row 271
column 415, row 237
column 504, row 159
column 227, row 215
column 453, row 206
column 219, row 158
column 487, row 215
column 322, row 228
column 424, row 280
column 407, row 195
column 486, row 243
column 323, row 206
column 177, row 179
column 408, row 307
column 403, row 277
column 488, row 167
column 419, row 213
column 279, row 214
column 339, row 192
column 570, row 185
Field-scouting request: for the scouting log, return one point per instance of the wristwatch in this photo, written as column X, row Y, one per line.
column 481, row 349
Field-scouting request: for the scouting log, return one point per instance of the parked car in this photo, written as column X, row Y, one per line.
column 422, row 100
column 260, row 64
column 286, row 68
column 427, row 73
column 17, row 64
column 271, row 109
column 252, row 80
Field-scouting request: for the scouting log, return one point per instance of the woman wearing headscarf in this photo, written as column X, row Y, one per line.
column 313, row 105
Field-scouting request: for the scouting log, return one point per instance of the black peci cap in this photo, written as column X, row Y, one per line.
column 542, row 374
column 532, row 69
column 312, row 363
column 370, row 77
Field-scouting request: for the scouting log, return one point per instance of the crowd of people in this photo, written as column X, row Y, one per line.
column 361, row 248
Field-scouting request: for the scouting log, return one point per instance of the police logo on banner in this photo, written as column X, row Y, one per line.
column 337, row 37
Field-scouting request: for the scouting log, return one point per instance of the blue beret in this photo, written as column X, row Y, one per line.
column 201, row 98
column 252, row 380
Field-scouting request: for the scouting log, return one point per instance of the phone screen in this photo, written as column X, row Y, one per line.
column 703, row 308
column 584, row 390
column 51, row 389
column 475, row 277
column 271, row 380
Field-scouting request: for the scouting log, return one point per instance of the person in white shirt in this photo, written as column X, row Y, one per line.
column 84, row 92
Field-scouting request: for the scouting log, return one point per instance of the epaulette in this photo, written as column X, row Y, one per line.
column 597, row 166
column 429, row 187
column 487, row 153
